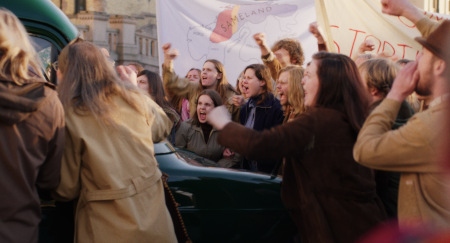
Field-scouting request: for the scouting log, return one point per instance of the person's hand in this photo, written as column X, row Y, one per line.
column 169, row 54
column 238, row 100
column 218, row 117
column 401, row 8
column 260, row 39
column 367, row 45
column 227, row 153
column 314, row 29
column 394, row 7
column 127, row 74
column 405, row 82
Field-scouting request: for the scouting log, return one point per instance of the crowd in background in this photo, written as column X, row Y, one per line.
column 357, row 140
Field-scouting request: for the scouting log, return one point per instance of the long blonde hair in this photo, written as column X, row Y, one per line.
column 18, row 56
column 295, row 99
column 90, row 83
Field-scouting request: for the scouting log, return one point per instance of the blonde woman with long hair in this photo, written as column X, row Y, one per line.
column 31, row 134
column 290, row 90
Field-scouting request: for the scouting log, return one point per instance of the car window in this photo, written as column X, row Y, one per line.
column 48, row 53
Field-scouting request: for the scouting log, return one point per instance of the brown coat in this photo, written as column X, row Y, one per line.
column 331, row 198
column 31, row 146
column 115, row 175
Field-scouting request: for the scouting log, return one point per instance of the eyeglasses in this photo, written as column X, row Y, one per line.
column 55, row 65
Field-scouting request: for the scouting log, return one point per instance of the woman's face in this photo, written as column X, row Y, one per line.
column 193, row 76
column 204, row 105
column 283, row 87
column 210, row 75
column 310, row 83
column 252, row 86
column 142, row 82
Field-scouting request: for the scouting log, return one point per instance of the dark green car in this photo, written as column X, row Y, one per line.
column 48, row 26
column 216, row 204
column 224, row 205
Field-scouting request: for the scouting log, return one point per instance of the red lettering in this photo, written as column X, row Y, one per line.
column 403, row 48
column 379, row 42
column 354, row 39
column 387, row 44
column 408, row 23
column 338, row 48
column 436, row 17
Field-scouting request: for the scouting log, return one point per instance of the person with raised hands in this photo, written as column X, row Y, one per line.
column 213, row 76
column 413, row 149
column 329, row 196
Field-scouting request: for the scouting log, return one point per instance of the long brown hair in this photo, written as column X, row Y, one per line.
column 340, row 87
column 155, row 88
column 222, row 86
column 262, row 72
column 90, row 83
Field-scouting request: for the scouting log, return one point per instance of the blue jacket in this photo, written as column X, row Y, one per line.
column 267, row 115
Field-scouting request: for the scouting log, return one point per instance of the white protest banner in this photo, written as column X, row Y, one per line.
column 224, row 30
column 347, row 24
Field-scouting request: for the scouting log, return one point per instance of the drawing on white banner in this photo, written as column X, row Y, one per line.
column 225, row 31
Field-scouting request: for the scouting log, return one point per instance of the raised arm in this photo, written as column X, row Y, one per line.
column 402, row 8
column 267, row 56
column 260, row 39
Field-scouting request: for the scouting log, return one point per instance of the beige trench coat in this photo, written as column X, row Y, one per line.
column 115, row 175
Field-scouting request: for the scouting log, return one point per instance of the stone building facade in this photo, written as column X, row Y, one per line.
column 126, row 28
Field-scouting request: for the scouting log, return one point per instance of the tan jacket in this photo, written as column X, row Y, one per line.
column 273, row 64
column 191, row 137
column 424, row 193
column 115, row 175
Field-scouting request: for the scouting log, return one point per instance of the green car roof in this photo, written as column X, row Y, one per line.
column 40, row 16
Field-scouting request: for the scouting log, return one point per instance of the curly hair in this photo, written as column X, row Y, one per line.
column 294, row 49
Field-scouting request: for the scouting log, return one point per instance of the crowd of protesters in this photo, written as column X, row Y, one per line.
column 342, row 132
